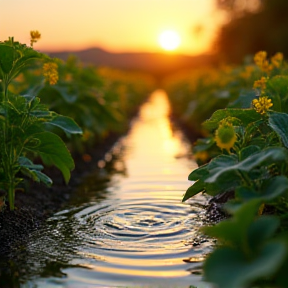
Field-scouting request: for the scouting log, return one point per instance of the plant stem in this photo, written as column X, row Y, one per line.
column 8, row 159
column 11, row 194
column 246, row 178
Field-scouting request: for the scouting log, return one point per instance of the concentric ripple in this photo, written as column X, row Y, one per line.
column 130, row 227
column 118, row 242
column 127, row 241
column 143, row 225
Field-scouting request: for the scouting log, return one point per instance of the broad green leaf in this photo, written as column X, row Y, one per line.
column 67, row 124
column 68, row 97
column 234, row 230
column 7, row 56
column 265, row 157
column 281, row 279
column 246, row 116
column 33, row 171
column 41, row 114
column 246, row 193
column 34, row 128
column 227, row 267
column 53, row 151
column 244, row 100
column 205, row 171
column 15, row 56
column 219, row 162
column 49, row 93
column 196, row 188
column 274, row 187
column 248, row 151
column 29, row 54
column 203, row 144
column 198, row 173
column 25, row 162
column 44, row 178
column 222, row 161
column 261, row 230
column 213, row 189
column 259, row 141
column 279, row 84
column 36, row 175
column 279, row 123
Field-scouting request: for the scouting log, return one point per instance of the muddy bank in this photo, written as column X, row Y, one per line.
column 36, row 202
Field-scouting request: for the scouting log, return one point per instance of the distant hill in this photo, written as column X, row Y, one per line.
column 157, row 64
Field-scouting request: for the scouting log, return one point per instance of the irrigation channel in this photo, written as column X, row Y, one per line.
column 126, row 225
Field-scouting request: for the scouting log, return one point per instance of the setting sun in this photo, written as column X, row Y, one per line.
column 169, row 40
column 122, row 26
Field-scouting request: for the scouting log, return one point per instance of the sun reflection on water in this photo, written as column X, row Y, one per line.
column 139, row 231
column 154, row 144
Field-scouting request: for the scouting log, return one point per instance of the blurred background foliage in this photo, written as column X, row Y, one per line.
column 101, row 100
column 252, row 25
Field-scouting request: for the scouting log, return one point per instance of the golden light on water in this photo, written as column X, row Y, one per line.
column 157, row 107
column 138, row 272
column 135, row 262
column 153, row 153
column 156, row 128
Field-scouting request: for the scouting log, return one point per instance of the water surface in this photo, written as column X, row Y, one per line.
column 126, row 226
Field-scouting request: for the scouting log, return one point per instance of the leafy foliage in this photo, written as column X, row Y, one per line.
column 100, row 101
column 23, row 125
column 252, row 246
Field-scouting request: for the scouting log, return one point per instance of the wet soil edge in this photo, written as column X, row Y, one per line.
column 36, row 203
column 215, row 211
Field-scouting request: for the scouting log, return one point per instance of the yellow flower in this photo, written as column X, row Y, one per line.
column 261, row 83
column 225, row 136
column 262, row 105
column 246, row 74
column 35, row 36
column 277, row 60
column 202, row 156
column 50, row 72
column 261, row 61
column 260, row 57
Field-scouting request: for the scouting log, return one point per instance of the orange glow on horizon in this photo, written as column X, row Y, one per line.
column 113, row 25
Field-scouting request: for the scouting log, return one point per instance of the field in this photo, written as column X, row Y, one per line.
column 52, row 112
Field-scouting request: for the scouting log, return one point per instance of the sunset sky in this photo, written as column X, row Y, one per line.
column 114, row 25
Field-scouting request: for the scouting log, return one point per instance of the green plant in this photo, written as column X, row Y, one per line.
column 252, row 162
column 100, row 100
column 249, row 249
column 24, row 125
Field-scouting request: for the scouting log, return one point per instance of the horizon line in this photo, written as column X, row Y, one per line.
column 170, row 53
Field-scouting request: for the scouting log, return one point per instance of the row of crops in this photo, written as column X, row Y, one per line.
column 241, row 114
column 50, row 109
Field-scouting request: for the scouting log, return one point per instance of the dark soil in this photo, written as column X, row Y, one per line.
column 214, row 210
column 35, row 203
